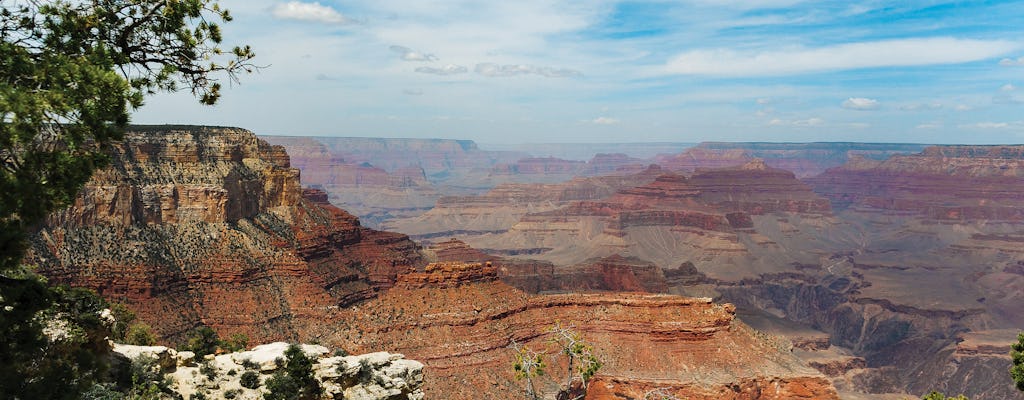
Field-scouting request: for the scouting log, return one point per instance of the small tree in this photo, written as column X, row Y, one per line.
column 295, row 381
column 140, row 334
column 1017, row 370
column 203, row 341
column 528, row 365
column 250, row 379
column 237, row 342
column 582, row 363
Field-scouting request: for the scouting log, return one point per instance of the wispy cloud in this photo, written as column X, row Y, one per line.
column 412, row 92
column 1012, row 62
column 798, row 60
column 1007, row 94
column 408, row 54
column 860, row 104
column 605, row 121
column 987, row 125
column 312, row 12
column 807, row 122
column 492, row 70
column 449, row 69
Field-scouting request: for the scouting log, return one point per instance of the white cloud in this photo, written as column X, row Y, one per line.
column 963, row 107
column 449, row 69
column 605, row 121
column 408, row 54
column 987, row 125
column 860, row 103
column 809, row 122
column 798, row 60
column 494, row 70
column 1011, row 62
column 930, row 125
column 1008, row 87
column 412, row 92
column 314, row 12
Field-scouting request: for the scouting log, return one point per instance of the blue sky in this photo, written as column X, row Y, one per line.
column 625, row 71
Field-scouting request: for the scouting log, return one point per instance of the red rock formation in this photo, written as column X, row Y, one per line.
column 460, row 325
column 207, row 226
column 756, row 188
column 952, row 183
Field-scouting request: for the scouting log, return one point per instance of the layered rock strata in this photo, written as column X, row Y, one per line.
column 668, row 220
column 947, row 183
column 464, row 319
column 194, row 226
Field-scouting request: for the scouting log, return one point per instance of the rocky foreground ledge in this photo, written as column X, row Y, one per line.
column 373, row 376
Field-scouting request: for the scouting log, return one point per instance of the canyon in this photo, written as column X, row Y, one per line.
column 871, row 271
column 208, row 226
column 883, row 269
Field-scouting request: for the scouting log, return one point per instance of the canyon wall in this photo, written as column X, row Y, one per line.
column 691, row 347
column 193, row 226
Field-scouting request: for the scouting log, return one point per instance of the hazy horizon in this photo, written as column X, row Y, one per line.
column 538, row 71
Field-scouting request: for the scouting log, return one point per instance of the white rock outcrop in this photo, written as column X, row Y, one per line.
column 370, row 376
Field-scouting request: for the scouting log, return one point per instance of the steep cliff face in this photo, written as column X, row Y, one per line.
column 465, row 319
column 208, row 226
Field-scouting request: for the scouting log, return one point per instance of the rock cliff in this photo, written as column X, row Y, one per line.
column 194, row 226
column 462, row 322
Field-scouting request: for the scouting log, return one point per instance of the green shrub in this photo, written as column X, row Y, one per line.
column 295, row 381
column 203, row 341
column 208, row 369
column 249, row 364
column 236, row 342
column 140, row 334
column 250, row 380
